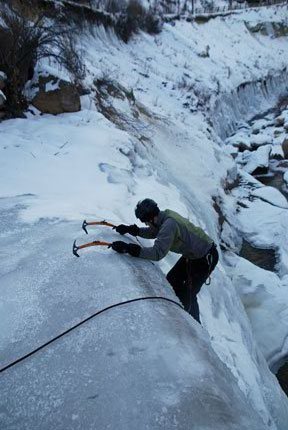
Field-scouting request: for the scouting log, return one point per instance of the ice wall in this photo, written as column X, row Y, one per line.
column 246, row 101
column 144, row 365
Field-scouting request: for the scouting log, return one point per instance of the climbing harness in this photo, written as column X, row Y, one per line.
column 189, row 283
column 83, row 322
column 209, row 259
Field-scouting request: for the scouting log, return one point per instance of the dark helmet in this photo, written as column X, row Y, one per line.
column 146, row 209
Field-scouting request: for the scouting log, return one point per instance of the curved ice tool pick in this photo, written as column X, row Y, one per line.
column 85, row 223
column 86, row 245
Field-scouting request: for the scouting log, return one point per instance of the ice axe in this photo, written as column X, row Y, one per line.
column 85, row 223
column 86, row 245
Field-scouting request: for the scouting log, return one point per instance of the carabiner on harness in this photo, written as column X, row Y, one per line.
column 209, row 259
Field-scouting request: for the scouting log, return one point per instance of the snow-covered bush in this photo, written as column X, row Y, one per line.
column 153, row 22
column 22, row 44
column 136, row 17
column 208, row 5
column 115, row 6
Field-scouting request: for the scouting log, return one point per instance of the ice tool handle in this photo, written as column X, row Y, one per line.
column 86, row 245
column 85, row 223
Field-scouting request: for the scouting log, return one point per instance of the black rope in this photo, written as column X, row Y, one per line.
column 82, row 322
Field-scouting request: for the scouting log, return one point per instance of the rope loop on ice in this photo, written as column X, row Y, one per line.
column 13, row 363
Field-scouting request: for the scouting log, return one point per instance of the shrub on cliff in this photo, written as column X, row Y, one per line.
column 135, row 17
column 22, row 44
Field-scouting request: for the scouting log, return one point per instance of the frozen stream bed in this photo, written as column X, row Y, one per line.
column 260, row 150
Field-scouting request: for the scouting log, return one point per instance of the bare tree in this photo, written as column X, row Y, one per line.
column 23, row 43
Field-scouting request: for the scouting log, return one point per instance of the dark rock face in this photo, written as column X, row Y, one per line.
column 275, row 179
column 278, row 157
column 2, row 100
column 2, row 81
column 285, row 148
column 282, row 376
column 268, row 28
column 283, row 164
column 279, row 121
column 264, row 258
column 64, row 98
column 2, row 97
column 261, row 170
column 257, row 28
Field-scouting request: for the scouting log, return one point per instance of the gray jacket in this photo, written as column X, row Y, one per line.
column 177, row 234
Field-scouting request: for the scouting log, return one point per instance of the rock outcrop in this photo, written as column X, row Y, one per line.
column 2, row 80
column 2, row 96
column 285, row 148
column 56, row 96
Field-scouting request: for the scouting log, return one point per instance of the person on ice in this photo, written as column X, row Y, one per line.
column 177, row 234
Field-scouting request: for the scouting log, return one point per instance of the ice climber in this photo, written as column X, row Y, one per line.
column 177, row 234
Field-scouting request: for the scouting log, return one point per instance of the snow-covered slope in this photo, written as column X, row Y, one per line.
column 160, row 143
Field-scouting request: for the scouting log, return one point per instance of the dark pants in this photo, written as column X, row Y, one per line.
column 188, row 276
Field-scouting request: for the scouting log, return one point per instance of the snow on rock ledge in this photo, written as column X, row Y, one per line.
column 271, row 195
column 285, row 177
column 263, row 294
column 257, row 161
column 285, row 148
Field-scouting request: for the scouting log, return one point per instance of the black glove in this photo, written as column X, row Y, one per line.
column 133, row 249
column 123, row 247
column 123, row 229
column 119, row 246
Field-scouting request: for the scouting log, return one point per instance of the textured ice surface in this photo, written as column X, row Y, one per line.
column 145, row 365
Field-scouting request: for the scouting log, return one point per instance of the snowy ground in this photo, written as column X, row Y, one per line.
column 59, row 170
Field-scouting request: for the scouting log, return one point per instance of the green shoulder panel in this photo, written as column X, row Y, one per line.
column 184, row 222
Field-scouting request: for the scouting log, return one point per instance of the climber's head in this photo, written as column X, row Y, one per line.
column 146, row 210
